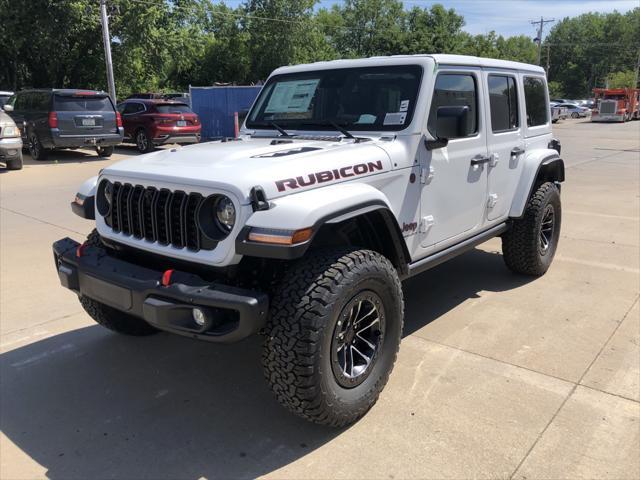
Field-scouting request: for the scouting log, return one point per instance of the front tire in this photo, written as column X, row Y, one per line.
column 143, row 142
column 531, row 243
column 333, row 334
column 109, row 317
column 15, row 163
column 575, row 115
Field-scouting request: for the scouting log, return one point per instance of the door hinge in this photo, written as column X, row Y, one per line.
column 426, row 174
column 493, row 199
column 426, row 223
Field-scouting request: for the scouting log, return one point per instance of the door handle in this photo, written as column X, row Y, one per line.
column 517, row 151
column 479, row 160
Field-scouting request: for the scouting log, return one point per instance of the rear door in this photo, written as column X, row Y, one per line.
column 85, row 113
column 505, row 140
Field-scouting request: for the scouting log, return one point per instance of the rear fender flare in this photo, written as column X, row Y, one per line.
column 539, row 165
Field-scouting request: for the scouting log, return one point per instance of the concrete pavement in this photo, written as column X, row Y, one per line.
column 498, row 376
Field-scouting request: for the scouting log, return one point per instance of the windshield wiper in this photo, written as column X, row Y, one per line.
column 336, row 126
column 280, row 129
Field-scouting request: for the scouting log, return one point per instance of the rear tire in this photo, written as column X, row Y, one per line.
column 104, row 151
column 143, row 142
column 529, row 246
column 326, row 357
column 37, row 151
column 109, row 317
column 575, row 115
column 15, row 163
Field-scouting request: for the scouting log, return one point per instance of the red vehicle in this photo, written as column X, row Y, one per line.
column 616, row 104
column 152, row 122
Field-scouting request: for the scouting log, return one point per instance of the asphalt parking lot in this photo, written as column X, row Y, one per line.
column 498, row 376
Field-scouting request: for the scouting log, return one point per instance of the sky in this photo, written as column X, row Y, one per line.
column 513, row 17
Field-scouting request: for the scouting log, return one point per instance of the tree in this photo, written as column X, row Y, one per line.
column 622, row 79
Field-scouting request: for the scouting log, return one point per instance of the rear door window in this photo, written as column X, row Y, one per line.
column 503, row 100
column 82, row 104
column 172, row 108
column 535, row 97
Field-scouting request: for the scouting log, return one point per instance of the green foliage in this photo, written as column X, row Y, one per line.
column 586, row 49
column 555, row 90
column 167, row 45
column 622, row 79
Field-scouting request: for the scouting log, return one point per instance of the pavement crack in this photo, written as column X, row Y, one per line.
column 573, row 389
column 41, row 221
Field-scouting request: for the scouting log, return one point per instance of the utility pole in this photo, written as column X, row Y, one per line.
column 540, row 24
column 548, row 53
column 635, row 78
column 106, row 39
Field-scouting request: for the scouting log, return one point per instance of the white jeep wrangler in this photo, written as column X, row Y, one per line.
column 348, row 177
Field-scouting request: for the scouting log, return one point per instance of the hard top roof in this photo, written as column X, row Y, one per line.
column 439, row 59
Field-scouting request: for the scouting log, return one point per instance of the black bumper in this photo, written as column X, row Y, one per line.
column 231, row 313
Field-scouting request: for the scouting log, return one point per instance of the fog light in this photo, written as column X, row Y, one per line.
column 199, row 317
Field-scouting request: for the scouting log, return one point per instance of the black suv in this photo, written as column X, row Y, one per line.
column 65, row 118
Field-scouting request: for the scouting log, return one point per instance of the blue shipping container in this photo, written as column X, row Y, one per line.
column 216, row 107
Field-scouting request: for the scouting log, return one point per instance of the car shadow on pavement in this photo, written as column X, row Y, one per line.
column 92, row 404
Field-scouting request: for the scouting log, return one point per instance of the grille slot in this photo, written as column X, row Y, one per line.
column 156, row 215
column 608, row 107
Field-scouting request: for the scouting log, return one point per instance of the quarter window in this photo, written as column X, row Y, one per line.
column 455, row 89
column 535, row 98
column 503, row 100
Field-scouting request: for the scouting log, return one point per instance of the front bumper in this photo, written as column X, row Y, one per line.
column 603, row 117
column 10, row 148
column 231, row 313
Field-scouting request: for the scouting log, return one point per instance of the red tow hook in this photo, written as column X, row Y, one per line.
column 166, row 277
column 80, row 250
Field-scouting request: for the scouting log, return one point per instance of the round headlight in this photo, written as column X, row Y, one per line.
column 225, row 213
column 104, row 197
column 108, row 192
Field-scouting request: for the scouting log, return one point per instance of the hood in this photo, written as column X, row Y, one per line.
column 237, row 166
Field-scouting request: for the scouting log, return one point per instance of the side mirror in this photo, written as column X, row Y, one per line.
column 451, row 122
column 8, row 108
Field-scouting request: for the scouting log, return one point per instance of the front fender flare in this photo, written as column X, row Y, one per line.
column 83, row 204
column 317, row 208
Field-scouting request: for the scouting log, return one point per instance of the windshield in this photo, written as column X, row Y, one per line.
column 373, row 98
column 173, row 108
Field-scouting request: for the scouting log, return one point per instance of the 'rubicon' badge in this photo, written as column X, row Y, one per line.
column 328, row 175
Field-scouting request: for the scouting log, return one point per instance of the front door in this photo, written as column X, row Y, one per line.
column 505, row 141
column 454, row 177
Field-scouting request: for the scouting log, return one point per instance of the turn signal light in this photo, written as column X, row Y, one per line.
column 280, row 237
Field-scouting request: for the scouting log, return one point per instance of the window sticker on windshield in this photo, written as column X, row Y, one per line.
column 294, row 96
column 395, row 118
column 404, row 105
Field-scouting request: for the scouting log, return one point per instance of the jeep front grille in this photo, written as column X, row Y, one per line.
column 608, row 107
column 157, row 215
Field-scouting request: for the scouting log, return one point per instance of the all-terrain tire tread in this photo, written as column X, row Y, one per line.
column 299, row 310
column 520, row 243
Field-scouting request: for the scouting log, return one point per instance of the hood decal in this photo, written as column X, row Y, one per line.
column 328, row 175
